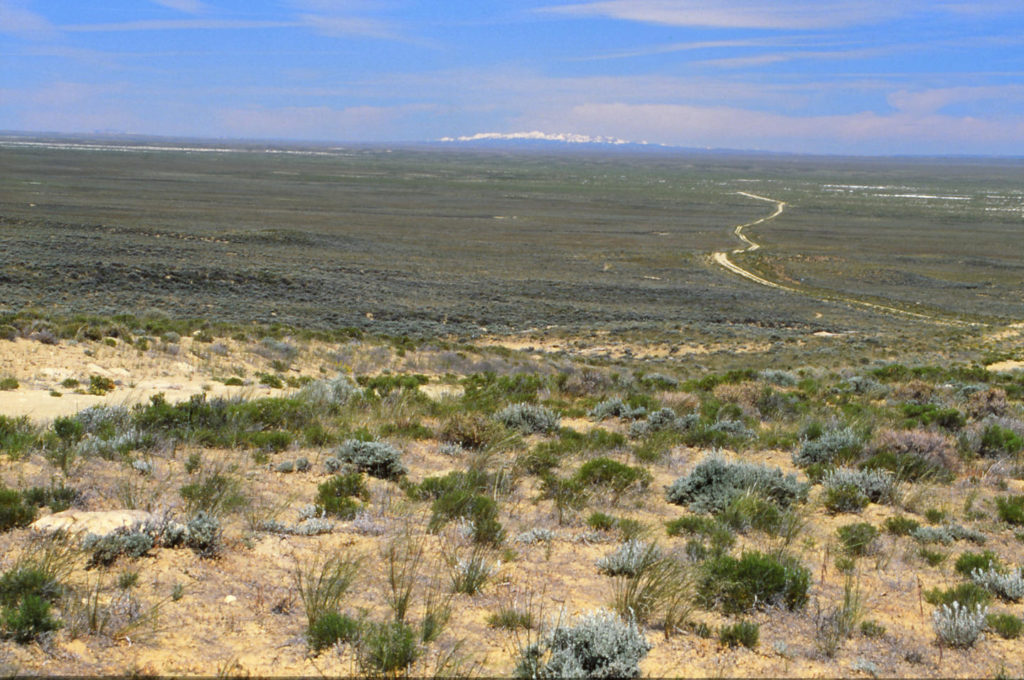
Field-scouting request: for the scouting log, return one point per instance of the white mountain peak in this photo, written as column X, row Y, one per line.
column 567, row 137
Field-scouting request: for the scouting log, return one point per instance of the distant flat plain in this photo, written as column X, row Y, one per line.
column 427, row 240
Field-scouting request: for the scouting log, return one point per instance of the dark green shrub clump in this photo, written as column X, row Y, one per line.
column 331, row 628
column 14, row 512
column 1000, row 441
column 338, row 495
column 715, row 483
column 613, row 475
column 388, row 648
column 214, row 493
column 1006, row 626
column 753, row 581
column 600, row 645
column 1011, row 509
column 900, row 525
column 969, row 561
column 967, row 594
column 857, row 538
column 470, row 430
column 744, row 633
column 26, row 594
column 481, row 510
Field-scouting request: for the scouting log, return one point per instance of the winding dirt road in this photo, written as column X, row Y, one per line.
column 722, row 258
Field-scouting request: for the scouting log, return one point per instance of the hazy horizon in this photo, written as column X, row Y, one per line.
column 840, row 77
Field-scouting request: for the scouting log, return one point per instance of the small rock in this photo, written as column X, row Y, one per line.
column 230, row 599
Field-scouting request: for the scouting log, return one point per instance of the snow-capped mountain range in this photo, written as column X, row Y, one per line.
column 537, row 136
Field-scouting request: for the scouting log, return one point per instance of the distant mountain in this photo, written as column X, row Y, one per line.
column 537, row 138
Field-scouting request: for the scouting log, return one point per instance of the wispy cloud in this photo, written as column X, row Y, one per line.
column 654, row 50
column 16, row 20
column 862, row 132
column 318, row 122
column 934, row 100
column 177, row 25
column 764, row 14
column 187, row 6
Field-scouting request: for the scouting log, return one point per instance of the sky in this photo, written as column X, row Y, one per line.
column 865, row 77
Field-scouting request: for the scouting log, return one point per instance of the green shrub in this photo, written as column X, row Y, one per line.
column 470, row 430
column 755, row 580
column 510, row 618
column 857, row 538
column 323, row 582
column 270, row 380
column 910, row 467
column 29, row 619
column 214, row 493
column 714, row 483
column 999, row 441
column 691, row 524
column 872, row 629
column 900, row 525
column 744, row 633
column 100, row 385
column 933, row 557
column 1006, row 626
column 934, row 515
column 602, row 522
column 377, row 459
column 469, row 575
column 14, row 512
column 967, row 594
column 969, row 561
column 8, row 383
column 330, row 628
column 481, row 510
column 599, row 645
column 387, row 648
column 337, row 496
column 568, row 494
column 274, row 441
column 751, row 511
column 17, row 435
column 1011, row 509
column 613, row 475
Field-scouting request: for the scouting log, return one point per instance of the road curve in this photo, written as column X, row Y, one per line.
column 722, row 258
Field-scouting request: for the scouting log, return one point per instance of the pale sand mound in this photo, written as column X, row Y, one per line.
column 1005, row 366
column 100, row 522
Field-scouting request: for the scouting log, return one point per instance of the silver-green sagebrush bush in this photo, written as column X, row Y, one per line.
column 528, row 418
column 1008, row 587
column 599, row 645
column 957, row 625
column 377, row 459
column 715, row 483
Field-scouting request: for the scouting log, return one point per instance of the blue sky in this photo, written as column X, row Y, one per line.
column 829, row 76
